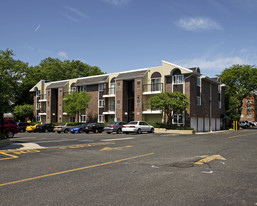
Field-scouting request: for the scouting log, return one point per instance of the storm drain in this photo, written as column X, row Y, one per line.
column 183, row 164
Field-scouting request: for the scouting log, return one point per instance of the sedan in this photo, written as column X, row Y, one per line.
column 31, row 127
column 94, row 127
column 44, row 128
column 65, row 127
column 114, row 127
column 137, row 127
column 79, row 129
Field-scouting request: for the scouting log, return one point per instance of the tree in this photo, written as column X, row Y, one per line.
column 170, row 103
column 242, row 82
column 11, row 74
column 76, row 102
column 23, row 111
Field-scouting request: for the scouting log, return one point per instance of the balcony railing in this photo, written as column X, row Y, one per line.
column 109, row 91
column 153, row 88
column 42, row 96
column 109, row 108
column 148, row 107
column 43, row 110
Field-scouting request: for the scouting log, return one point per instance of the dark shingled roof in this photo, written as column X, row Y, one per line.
column 131, row 75
column 57, row 85
column 90, row 81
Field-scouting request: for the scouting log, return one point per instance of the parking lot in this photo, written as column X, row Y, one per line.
column 134, row 169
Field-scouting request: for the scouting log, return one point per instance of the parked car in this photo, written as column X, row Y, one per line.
column 44, row 128
column 79, row 129
column 137, row 127
column 244, row 124
column 114, row 127
column 10, row 128
column 31, row 127
column 94, row 127
column 252, row 124
column 22, row 126
column 65, row 127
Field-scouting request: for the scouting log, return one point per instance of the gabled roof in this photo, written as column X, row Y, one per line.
column 131, row 75
column 92, row 80
column 57, row 85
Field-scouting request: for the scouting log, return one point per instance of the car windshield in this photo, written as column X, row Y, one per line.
column 63, row 124
column 132, row 123
column 91, row 124
column 112, row 123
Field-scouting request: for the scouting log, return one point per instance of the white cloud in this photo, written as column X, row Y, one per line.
column 70, row 17
column 117, row 2
column 37, row 28
column 63, row 55
column 76, row 11
column 198, row 24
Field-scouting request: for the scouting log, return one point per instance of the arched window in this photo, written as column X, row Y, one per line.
column 112, row 86
column 177, row 77
column 156, row 84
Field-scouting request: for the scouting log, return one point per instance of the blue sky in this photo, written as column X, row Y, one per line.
column 120, row 35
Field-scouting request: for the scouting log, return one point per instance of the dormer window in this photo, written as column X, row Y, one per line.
column 178, row 79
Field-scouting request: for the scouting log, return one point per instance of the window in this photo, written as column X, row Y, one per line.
column 177, row 119
column 178, row 79
column 38, row 106
column 249, row 109
column 118, row 104
column 101, row 118
column 219, row 97
column 101, row 87
column 138, row 103
column 101, row 103
column 38, row 93
column 73, row 89
column 83, row 88
column 156, row 84
column 83, row 118
column 198, row 88
column 249, row 116
column 60, row 92
column 248, row 101
column 72, row 119
column 138, row 84
column 112, row 88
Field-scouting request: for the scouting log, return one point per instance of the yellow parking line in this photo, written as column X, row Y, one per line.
column 73, row 170
column 9, row 156
column 242, row 135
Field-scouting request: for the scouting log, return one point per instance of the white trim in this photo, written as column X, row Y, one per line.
column 152, row 112
column 177, row 66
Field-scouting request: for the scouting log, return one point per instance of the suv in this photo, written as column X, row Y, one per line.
column 94, row 127
column 22, row 126
column 114, row 127
column 10, row 128
column 244, row 124
column 65, row 127
column 44, row 128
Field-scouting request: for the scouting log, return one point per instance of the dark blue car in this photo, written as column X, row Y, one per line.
column 79, row 129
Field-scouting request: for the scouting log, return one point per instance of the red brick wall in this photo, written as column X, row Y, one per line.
column 92, row 109
column 138, row 116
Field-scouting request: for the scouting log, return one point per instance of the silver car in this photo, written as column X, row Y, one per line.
column 114, row 127
column 65, row 127
column 137, row 127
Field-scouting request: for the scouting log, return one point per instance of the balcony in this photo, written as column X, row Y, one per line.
column 110, row 92
column 42, row 111
column 155, row 88
column 109, row 109
column 147, row 109
column 43, row 98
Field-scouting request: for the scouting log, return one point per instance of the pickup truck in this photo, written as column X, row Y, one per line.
column 10, row 128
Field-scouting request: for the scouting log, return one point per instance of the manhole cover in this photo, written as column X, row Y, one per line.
column 183, row 164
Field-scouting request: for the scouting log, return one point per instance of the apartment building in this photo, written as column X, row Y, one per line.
column 249, row 109
column 124, row 96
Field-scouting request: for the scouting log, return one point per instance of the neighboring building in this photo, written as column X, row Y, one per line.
column 124, row 96
column 249, row 109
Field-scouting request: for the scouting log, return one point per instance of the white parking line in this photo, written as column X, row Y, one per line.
column 107, row 140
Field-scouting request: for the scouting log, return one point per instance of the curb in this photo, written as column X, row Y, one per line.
column 4, row 142
column 170, row 131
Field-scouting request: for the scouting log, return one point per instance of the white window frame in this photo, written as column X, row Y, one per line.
column 100, row 118
column 175, row 119
column 100, row 87
column 112, row 88
column 38, row 106
column 178, row 79
column 83, row 118
column 72, row 89
column 249, row 116
column 38, row 93
column 156, row 83
column 101, row 103
column 248, row 101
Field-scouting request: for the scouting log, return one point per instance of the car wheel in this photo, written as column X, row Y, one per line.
column 22, row 130
column 100, row 131
column 59, row 132
column 118, row 131
column 87, row 132
column 9, row 134
column 95, row 131
column 152, row 130
column 139, row 131
column 80, row 131
column 108, row 132
column 46, row 130
column 66, row 131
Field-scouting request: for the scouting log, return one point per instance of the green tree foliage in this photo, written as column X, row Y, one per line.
column 242, row 82
column 76, row 102
column 170, row 102
column 11, row 75
column 23, row 111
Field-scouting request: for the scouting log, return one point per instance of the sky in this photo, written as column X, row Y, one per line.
column 122, row 35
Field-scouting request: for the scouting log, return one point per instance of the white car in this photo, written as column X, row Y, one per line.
column 137, row 127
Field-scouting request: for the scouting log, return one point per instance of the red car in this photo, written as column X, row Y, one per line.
column 10, row 128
